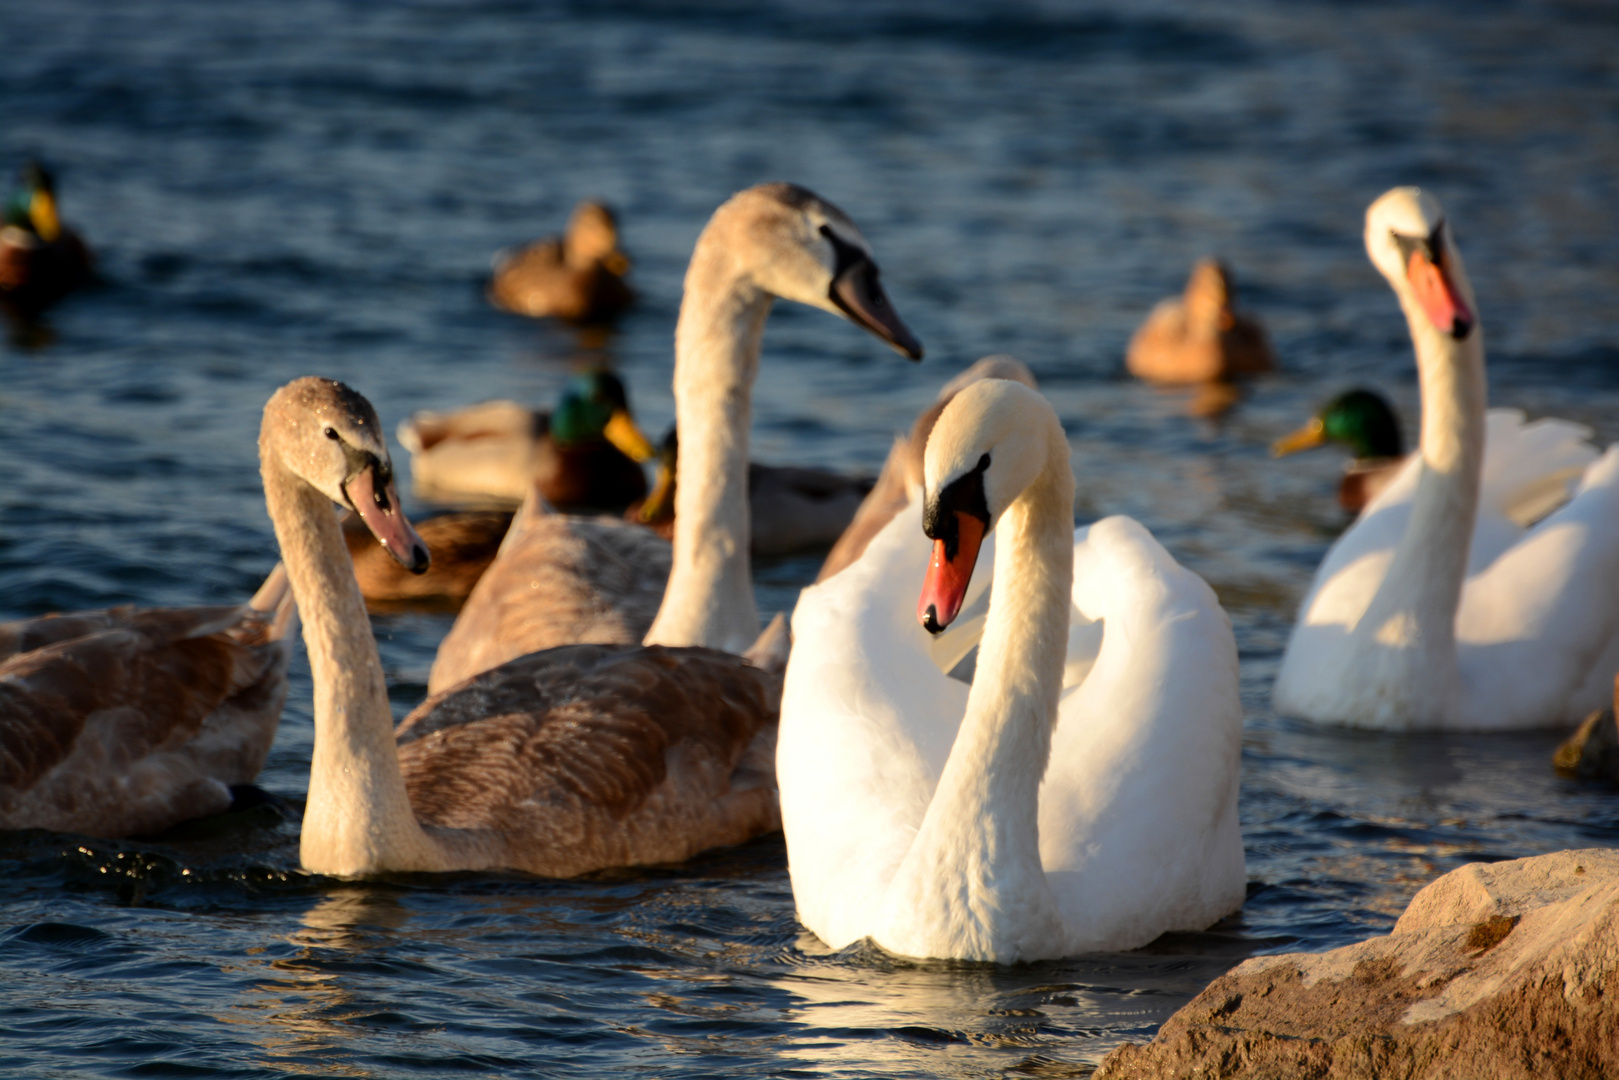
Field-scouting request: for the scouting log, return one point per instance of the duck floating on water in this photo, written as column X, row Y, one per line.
column 1199, row 336
column 1363, row 421
column 583, row 456
column 41, row 259
column 578, row 276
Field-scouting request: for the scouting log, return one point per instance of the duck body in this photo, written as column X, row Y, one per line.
column 128, row 721
column 583, row 456
column 1199, row 336
column 578, row 277
column 1079, row 795
column 1439, row 609
column 41, row 259
column 462, row 545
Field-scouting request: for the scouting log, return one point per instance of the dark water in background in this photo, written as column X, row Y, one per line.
column 279, row 189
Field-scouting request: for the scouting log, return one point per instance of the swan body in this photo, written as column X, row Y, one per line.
column 128, row 721
column 1199, row 336
column 1439, row 609
column 557, row 580
column 578, row 276
column 566, row 761
column 41, row 259
column 1082, row 793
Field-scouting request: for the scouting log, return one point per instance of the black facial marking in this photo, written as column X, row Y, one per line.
column 1432, row 245
column 963, row 495
column 847, row 255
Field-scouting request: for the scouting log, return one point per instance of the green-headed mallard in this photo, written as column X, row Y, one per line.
column 1363, row 421
column 41, row 259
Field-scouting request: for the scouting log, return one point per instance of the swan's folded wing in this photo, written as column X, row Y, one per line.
column 867, row 722
column 132, row 728
column 595, row 755
column 1138, row 812
column 1538, row 629
column 1530, row 469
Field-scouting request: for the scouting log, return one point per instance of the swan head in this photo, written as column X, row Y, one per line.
column 987, row 447
column 329, row 436
column 1410, row 243
column 797, row 246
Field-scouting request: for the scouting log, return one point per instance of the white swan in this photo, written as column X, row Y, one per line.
column 914, row 808
column 1437, row 610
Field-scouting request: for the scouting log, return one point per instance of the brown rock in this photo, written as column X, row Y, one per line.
column 1498, row 970
column 1592, row 752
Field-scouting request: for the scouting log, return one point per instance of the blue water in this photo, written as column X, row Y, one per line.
column 280, row 189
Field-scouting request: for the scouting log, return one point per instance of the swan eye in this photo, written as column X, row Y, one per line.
column 331, row 433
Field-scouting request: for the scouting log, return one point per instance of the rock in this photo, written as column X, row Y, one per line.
column 1496, row 970
column 1592, row 752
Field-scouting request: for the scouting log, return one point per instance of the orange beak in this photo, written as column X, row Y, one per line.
column 945, row 586
column 1437, row 295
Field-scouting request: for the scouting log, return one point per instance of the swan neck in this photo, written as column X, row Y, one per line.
column 358, row 818
column 975, row 863
column 1412, row 619
column 709, row 599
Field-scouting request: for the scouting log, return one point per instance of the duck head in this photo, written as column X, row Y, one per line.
column 594, row 405
column 329, row 436
column 1359, row 419
column 1410, row 243
column 982, row 454
column 592, row 238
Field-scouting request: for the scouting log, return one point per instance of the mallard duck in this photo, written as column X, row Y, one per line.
column 578, row 276
column 1081, row 795
column 1438, row 609
column 128, row 721
column 1363, row 421
column 1198, row 336
column 791, row 507
column 769, row 242
column 583, row 456
column 41, row 259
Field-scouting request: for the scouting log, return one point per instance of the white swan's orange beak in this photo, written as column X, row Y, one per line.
column 945, row 586
column 379, row 508
column 1437, row 295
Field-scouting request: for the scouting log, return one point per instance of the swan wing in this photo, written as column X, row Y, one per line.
column 1138, row 812
column 1538, row 628
column 591, row 756
column 1528, row 469
column 868, row 720
column 127, row 721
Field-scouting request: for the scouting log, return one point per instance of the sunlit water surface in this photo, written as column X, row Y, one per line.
column 279, row 189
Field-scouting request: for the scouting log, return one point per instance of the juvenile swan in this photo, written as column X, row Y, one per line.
column 562, row 762
column 914, row 808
